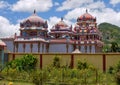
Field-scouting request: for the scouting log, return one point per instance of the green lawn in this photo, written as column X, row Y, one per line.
column 15, row 83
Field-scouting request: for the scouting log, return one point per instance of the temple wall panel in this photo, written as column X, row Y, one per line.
column 20, row 47
column 10, row 45
column 27, row 49
column 35, row 47
column 70, row 49
column 82, row 49
column 60, row 48
column 88, row 49
column 93, row 49
column 44, row 48
column 40, row 47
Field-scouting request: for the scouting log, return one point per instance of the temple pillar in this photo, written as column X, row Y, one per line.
column 2, row 57
column 80, row 47
column 85, row 49
column 31, row 46
column 42, row 47
column 47, row 47
column 38, row 46
column 24, row 46
column 13, row 46
column 67, row 46
column 16, row 45
column 90, row 48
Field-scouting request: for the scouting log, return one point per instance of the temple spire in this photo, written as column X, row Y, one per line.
column 86, row 11
column 61, row 18
column 34, row 11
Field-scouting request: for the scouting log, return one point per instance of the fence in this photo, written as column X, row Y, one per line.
column 101, row 61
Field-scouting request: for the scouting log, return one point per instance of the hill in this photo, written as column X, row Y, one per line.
column 110, row 33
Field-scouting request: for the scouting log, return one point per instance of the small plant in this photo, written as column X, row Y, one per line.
column 56, row 62
column 117, row 77
column 111, row 70
column 82, row 65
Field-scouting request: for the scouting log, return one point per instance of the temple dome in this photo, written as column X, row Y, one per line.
column 61, row 23
column 34, row 18
column 86, row 16
column 2, row 43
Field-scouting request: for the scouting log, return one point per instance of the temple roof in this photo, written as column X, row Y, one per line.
column 86, row 16
column 62, row 23
column 34, row 18
column 2, row 43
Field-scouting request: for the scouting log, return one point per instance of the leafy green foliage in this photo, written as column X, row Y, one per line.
column 82, row 65
column 110, row 33
column 117, row 77
column 114, row 47
column 27, row 62
column 114, row 69
column 56, row 61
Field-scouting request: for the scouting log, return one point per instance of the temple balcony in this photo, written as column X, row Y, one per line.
column 30, row 38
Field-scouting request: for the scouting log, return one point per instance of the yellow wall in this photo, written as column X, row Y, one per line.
column 65, row 59
column 112, row 59
column 94, row 59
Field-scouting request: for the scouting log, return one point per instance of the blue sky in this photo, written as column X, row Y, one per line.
column 12, row 12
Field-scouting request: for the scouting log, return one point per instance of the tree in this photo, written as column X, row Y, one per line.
column 27, row 62
column 114, row 47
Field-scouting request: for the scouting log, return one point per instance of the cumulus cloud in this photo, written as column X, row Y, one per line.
column 6, row 28
column 103, row 15
column 56, row 4
column 114, row 2
column 30, row 5
column 70, row 4
column 3, row 4
column 96, row 5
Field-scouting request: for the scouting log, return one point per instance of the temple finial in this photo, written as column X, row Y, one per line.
column 61, row 18
column 86, row 11
column 34, row 11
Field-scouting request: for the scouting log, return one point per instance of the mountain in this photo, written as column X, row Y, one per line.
column 111, row 33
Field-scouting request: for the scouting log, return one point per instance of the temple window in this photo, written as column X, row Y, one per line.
column 24, row 33
column 33, row 33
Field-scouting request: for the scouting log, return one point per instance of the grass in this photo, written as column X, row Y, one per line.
column 3, row 82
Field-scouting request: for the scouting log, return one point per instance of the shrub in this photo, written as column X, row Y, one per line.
column 84, row 65
column 117, row 77
column 27, row 62
column 111, row 70
column 56, row 62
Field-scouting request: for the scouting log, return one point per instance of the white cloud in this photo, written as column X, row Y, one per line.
column 30, row 5
column 107, row 15
column 3, row 4
column 114, row 2
column 102, row 15
column 70, row 4
column 53, row 20
column 73, row 14
column 6, row 28
column 98, row 10
column 96, row 5
column 56, row 4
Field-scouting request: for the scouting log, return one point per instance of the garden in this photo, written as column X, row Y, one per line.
column 23, row 71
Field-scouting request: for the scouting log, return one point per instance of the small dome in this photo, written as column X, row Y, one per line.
column 2, row 43
column 34, row 18
column 86, row 16
column 62, row 23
